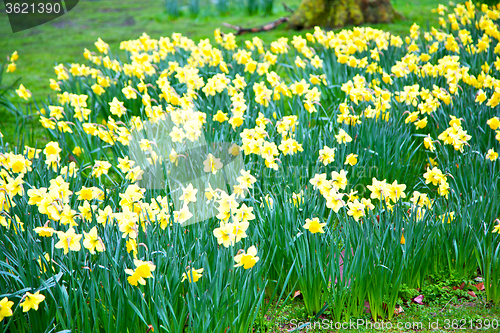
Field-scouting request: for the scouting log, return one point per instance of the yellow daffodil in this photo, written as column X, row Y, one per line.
column 23, row 92
column 351, row 159
column 327, row 155
column 220, row 117
column 314, row 226
column 343, row 137
column 246, row 259
column 491, row 155
column 212, row 164
column 44, row 231
column 192, row 275
column 182, row 215
column 496, row 229
column 5, row 308
column 188, row 194
column 93, row 242
column 31, row 301
column 224, row 235
column 11, row 67
column 494, row 123
column 68, row 240
column 356, row 209
column 100, row 168
column 14, row 56
column 142, row 271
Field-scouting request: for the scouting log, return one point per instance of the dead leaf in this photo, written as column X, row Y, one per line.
column 479, row 286
column 398, row 310
column 367, row 307
column 471, row 293
column 419, row 299
column 461, row 286
column 297, row 293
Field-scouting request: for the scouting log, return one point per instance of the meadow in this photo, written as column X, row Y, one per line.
column 63, row 41
column 243, row 184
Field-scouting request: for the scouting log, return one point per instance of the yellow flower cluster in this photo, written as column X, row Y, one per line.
column 455, row 135
column 303, row 117
column 437, row 178
column 11, row 67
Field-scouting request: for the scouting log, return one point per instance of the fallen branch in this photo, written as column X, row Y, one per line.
column 266, row 27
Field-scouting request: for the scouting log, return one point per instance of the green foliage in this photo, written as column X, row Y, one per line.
column 396, row 251
column 488, row 2
column 212, row 9
column 172, row 7
column 6, row 91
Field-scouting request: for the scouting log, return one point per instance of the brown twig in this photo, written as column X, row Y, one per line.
column 288, row 9
column 265, row 27
column 445, row 306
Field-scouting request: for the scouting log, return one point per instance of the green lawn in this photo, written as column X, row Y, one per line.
column 446, row 316
column 64, row 39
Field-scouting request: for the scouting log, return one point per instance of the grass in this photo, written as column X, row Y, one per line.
column 449, row 307
column 64, row 39
column 453, row 316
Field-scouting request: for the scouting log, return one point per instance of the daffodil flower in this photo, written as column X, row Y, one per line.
column 212, row 164
column 192, row 275
column 246, row 259
column 31, row 301
column 314, row 226
column 68, row 240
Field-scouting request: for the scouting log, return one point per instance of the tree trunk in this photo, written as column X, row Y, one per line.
column 338, row 13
